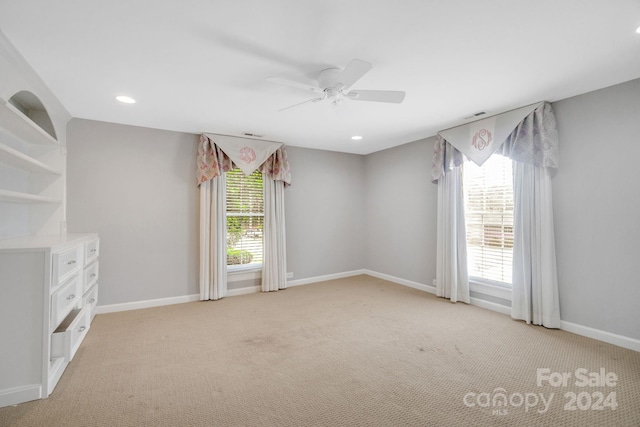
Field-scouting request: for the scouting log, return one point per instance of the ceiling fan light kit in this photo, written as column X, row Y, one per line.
column 334, row 84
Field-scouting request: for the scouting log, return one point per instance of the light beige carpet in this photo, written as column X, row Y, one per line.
column 351, row 352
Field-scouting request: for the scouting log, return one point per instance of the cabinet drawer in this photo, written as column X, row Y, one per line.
column 67, row 338
column 67, row 263
column 90, row 300
column 91, row 251
column 64, row 299
column 90, row 276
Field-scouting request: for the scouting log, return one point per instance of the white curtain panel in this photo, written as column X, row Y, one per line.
column 274, row 264
column 535, row 297
column 452, row 278
column 213, row 238
column 211, row 164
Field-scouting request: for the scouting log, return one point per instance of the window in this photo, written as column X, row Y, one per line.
column 245, row 219
column 488, row 204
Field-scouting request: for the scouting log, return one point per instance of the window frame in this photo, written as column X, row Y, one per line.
column 244, row 271
column 481, row 284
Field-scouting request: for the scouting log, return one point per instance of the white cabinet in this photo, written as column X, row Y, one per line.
column 48, row 279
column 48, row 294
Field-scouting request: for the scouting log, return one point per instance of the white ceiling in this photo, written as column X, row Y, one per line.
column 200, row 65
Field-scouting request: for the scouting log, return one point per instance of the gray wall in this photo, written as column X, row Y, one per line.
column 401, row 208
column 136, row 187
column 596, row 210
column 347, row 212
column 325, row 215
column 596, row 196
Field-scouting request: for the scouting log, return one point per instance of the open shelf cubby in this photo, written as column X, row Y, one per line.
column 19, row 124
column 18, row 197
column 19, row 160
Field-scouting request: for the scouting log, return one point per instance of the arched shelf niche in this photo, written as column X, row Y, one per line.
column 31, row 106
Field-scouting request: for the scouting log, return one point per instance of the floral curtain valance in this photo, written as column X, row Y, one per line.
column 211, row 161
column 277, row 166
column 534, row 140
column 246, row 153
column 214, row 159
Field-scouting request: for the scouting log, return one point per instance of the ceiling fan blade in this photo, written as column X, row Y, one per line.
column 295, row 84
column 393, row 96
column 353, row 72
column 303, row 102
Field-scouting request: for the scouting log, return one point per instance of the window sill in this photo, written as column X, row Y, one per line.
column 239, row 273
column 494, row 290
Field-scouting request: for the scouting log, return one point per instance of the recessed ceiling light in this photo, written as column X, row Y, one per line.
column 356, row 137
column 126, row 99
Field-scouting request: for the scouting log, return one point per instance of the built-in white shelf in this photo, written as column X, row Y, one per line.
column 17, row 197
column 22, row 126
column 19, row 160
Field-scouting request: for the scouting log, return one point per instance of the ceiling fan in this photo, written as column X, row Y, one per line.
column 334, row 83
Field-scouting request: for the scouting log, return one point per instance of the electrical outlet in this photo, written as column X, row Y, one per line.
column 290, row 275
column 434, row 282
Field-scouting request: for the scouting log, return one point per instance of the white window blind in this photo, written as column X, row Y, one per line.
column 488, row 204
column 245, row 218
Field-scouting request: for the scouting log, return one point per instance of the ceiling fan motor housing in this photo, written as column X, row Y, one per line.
column 334, row 84
column 328, row 78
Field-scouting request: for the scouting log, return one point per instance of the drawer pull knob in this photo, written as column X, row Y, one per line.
column 70, row 297
column 93, row 275
column 93, row 250
column 92, row 300
column 73, row 261
column 82, row 329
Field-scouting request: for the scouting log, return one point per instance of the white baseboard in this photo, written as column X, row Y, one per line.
column 243, row 291
column 112, row 308
column 15, row 395
column 415, row 285
column 432, row 290
column 325, row 278
column 491, row 306
column 585, row 331
column 608, row 337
